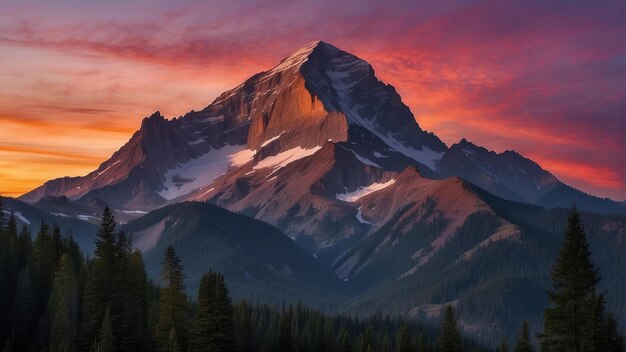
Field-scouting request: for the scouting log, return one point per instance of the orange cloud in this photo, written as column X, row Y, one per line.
column 542, row 78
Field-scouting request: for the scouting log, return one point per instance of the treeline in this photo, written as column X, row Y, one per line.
column 576, row 319
column 53, row 298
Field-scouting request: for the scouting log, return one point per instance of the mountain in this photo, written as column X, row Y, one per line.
column 511, row 176
column 330, row 156
column 441, row 241
column 83, row 232
column 494, row 267
column 319, row 94
column 258, row 261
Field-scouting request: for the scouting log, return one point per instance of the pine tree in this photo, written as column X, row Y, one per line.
column 594, row 332
column 360, row 343
column 503, row 347
column 106, row 339
column 25, row 247
column 345, row 341
column 131, row 290
column 23, row 311
column 42, row 268
column 100, row 286
column 450, row 338
column 173, row 344
column 329, row 335
column 523, row 339
column 172, row 304
column 403, row 339
column 225, row 339
column 57, row 246
column 245, row 333
column 385, row 344
column 421, row 343
column 285, row 342
column 63, row 307
column 614, row 342
column 204, row 323
column 574, row 281
column 370, row 338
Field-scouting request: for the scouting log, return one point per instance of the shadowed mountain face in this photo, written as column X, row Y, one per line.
column 381, row 210
column 257, row 259
column 317, row 95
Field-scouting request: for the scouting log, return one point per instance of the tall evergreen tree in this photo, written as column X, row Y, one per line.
column 23, row 311
column 25, row 247
column 244, row 327
column 614, row 342
column 42, row 268
column 523, row 343
column 225, row 339
column 403, row 339
column 131, row 292
column 105, row 339
column 285, row 341
column 173, row 342
column 100, row 287
column 385, row 345
column 63, row 307
column 172, row 304
column 574, row 281
column 204, row 323
column 421, row 343
column 450, row 338
column 503, row 347
column 344, row 341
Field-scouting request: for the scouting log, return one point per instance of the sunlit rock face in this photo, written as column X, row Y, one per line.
column 293, row 146
column 319, row 94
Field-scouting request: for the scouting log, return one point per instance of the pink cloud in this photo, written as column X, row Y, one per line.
column 543, row 78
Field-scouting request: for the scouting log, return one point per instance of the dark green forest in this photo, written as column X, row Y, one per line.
column 54, row 298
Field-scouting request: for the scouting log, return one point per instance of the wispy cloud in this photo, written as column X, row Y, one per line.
column 543, row 78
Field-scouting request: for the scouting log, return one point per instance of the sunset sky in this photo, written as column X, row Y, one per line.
column 545, row 78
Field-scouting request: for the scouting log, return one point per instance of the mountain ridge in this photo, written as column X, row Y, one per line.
column 318, row 94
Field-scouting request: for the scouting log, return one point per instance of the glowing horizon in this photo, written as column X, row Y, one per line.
column 547, row 82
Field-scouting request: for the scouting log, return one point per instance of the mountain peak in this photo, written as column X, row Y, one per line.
column 317, row 49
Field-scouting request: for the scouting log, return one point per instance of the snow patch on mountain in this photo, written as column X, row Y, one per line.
column 203, row 170
column 379, row 155
column 105, row 170
column 296, row 59
column 140, row 212
column 282, row 159
column 366, row 161
column 271, row 139
column 19, row 216
column 363, row 191
column 359, row 217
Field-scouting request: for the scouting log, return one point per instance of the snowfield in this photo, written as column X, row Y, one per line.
column 363, row 191
column 283, row 159
column 195, row 173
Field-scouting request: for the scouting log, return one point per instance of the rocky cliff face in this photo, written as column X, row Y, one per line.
column 507, row 174
column 317, row 95
column 321, row 124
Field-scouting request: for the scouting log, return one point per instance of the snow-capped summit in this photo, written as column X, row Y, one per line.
column 320, row 113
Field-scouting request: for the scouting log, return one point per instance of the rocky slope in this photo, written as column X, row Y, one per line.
column 319, row 94
column 327, row 153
